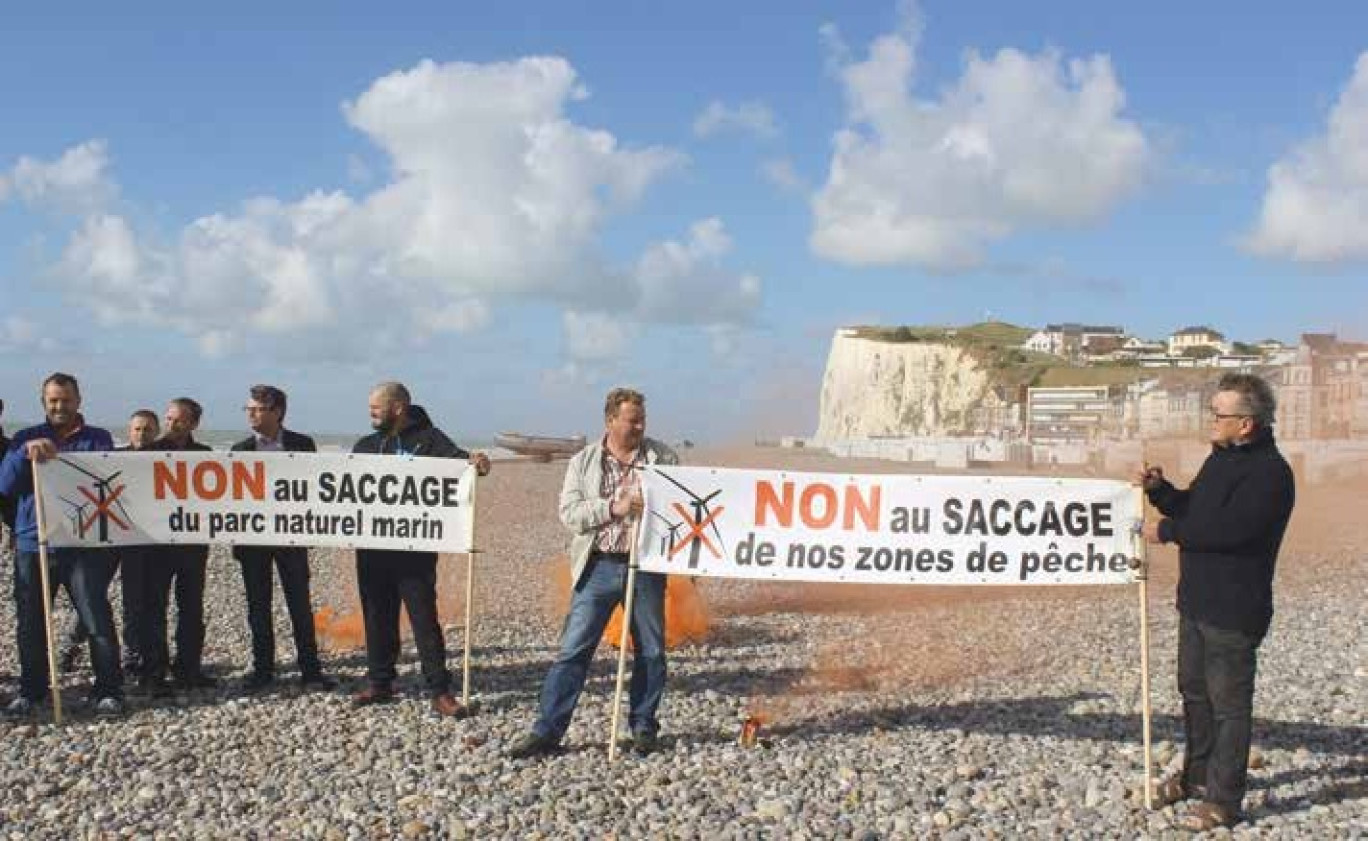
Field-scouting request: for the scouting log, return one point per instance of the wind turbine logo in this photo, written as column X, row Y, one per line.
column 698, row 522
column 104, row 498
column 667, row 544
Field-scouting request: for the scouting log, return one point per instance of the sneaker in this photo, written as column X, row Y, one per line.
column 20, row 707
column 318, row 682
column 109, row 707
column 644, row 742
column 533, row 745
column 372, row 695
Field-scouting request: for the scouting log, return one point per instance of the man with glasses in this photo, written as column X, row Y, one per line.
column 265, row 410
column 1228, row 526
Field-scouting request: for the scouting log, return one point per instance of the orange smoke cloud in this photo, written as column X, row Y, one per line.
column 338, row 632
column 686, row 617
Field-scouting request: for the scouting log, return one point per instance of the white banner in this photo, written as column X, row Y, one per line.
column 896, row 529
column 274, row 499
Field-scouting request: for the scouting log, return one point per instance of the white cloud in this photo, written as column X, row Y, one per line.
column 494, row 196
column 598, row 336
column 75, row 182
column 780, row 173
column 1316, row 205
column 747, row 117
column 685, row 282
column 1018, row 141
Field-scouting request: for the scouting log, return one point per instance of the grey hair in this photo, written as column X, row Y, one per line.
column 1256, row 396
column 395, row 392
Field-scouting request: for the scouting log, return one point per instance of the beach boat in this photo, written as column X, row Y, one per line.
column 541, row 447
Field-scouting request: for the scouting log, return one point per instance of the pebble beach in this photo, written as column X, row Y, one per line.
column 911, row 712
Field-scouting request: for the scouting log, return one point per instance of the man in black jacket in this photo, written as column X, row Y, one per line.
column 185, row 567
column 265, row 409
column 1228, row 525
column 387, row 577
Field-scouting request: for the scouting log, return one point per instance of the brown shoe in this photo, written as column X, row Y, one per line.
column 1206, row 816
column 447, row 706
column 1173, row 790
column 372, row 695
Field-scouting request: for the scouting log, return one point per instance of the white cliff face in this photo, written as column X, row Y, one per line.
column 876, row 388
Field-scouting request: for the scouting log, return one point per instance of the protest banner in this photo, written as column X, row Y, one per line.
column 895, row 529
column 272, row 499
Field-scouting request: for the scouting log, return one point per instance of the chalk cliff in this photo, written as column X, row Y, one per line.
column 873, row 387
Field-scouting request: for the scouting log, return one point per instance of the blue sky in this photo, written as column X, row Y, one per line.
column 514, row 209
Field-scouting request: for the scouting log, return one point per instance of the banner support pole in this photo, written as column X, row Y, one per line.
column 622, row 643
column 1142, row 579
column 54, row 682
column 469, row 597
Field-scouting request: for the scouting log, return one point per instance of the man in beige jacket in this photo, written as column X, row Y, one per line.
column 599, row 502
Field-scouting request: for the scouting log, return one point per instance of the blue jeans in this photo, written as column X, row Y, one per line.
column 86, row 574
column 1216, row 669
column 601, row 588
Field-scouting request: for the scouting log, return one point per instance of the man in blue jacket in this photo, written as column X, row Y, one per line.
column 85, row 573
column 1228, row 526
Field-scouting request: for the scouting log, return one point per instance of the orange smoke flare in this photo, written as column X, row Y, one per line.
column 339, row 631
column 686, row 617
column 686, row 620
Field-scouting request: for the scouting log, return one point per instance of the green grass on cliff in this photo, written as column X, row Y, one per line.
column 996, row 346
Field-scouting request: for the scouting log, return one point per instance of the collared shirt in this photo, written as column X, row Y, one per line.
column 615, row 536
column 269, row 445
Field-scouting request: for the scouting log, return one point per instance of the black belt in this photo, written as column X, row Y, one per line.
column 613, row 557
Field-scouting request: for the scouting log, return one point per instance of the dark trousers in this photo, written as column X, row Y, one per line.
column 292, row 564
column 183, row 569
column 86, row 575
column 1216, row 678
column 387, row 579
column 133, row 584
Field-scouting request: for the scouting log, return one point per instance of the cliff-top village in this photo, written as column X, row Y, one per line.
column 1071, row 393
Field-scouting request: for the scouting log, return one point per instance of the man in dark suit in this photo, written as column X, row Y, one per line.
column 183, row 566
column 266, row 415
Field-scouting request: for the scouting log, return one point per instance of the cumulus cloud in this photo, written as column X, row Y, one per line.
column 598, row 336
column 494, row 195
column 1316, row 206
column 78, row 181
column 1018, row 141
column 687, row 283
column 754, row 118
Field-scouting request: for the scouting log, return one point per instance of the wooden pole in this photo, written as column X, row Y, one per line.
column 469, row 596
column 54, row 682
column 622, row 643
column 1142, row 579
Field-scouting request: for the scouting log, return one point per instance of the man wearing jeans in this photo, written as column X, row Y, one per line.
column 85, row 573
column 599, row 501
column 1228, row 525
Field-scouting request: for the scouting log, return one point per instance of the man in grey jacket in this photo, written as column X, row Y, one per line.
column 599, row 502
